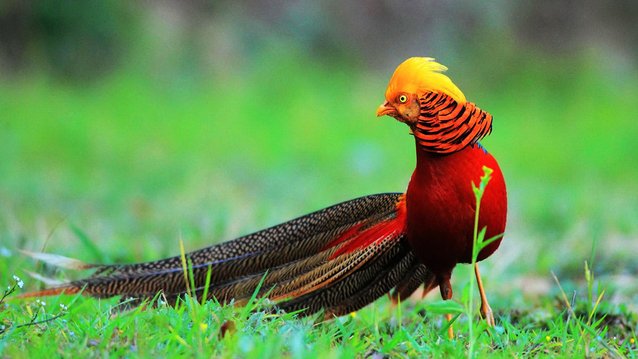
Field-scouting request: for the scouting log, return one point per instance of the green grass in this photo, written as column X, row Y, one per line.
column 120, row 170
column 95, row 328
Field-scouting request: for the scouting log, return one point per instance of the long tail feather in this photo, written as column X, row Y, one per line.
column 339, row 292
column 420, row 276
column 380, row 285
column 59, row 261
column 51, row 282
column 309, row 232
column 336, row 259
column 51, row 291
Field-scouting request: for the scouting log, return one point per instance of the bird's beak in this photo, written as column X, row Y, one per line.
column 386, row 109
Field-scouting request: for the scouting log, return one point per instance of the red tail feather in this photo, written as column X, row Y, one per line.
column 50, row 291
column 355, row 238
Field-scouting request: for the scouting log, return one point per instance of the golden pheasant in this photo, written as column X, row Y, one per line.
column 344, row 257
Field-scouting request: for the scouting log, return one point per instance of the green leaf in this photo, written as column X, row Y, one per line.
column 475, row 189
column 486, row 243
column 444, row 307
column 99, row 256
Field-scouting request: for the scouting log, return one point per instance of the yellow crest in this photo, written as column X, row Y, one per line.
column 418, row 75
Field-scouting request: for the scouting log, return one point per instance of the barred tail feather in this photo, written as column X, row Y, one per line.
column 420, row 275
column 309, row 233
column 383, row 282
column 336, row 259
column 65, row 289
column 332, row 296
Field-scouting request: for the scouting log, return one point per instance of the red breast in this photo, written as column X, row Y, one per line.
column 441, row 206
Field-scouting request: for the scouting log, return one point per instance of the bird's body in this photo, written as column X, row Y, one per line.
column 441, row 207
column 343, row 257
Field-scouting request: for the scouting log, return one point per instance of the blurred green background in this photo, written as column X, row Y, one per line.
column 125, row 126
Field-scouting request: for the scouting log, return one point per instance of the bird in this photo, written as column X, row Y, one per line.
column 339, row 259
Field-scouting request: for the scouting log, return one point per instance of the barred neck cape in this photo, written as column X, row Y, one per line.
column 445, row 126
column 420, row 95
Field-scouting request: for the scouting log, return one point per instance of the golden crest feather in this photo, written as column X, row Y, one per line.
column 419, row 75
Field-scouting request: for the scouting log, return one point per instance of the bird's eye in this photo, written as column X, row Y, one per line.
column 403, row 98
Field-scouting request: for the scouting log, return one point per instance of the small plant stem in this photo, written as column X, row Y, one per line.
column 477, row 245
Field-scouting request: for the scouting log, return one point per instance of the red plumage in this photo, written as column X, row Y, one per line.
column 441, row 207
column 360, row 236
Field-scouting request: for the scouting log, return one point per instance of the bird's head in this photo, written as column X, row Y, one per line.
column 410, row 81
column 440, row 118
